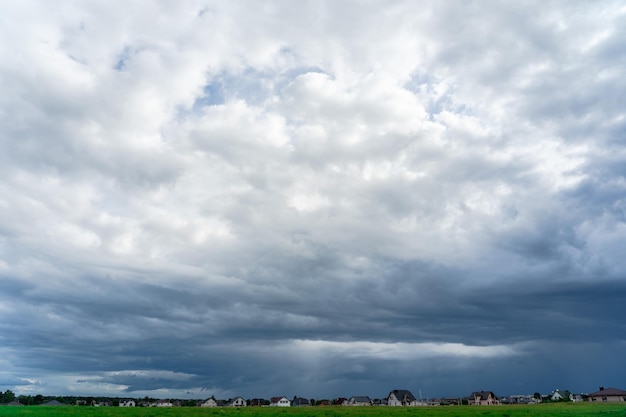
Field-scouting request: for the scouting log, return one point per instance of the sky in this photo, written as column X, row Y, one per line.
column 312, row 198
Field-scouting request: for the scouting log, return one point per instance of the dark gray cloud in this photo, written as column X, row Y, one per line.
column 368, row 197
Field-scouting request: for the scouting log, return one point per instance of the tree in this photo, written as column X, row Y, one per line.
column 7, row 396
column 567, row 396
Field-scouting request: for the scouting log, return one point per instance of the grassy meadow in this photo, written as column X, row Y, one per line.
column 547, row 410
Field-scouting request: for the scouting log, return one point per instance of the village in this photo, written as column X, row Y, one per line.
column 395, row 398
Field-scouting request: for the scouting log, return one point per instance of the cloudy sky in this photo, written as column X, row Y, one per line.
column 313, row 198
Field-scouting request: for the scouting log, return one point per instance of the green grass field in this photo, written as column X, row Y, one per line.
column 547, row 410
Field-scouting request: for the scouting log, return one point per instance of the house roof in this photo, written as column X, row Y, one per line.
column 482, row 394
column 232, row 400
column 277, row 399
column 608, row 392
column 402, row 395
column 361, row 399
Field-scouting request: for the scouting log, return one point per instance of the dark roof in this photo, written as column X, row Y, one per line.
column 231, row 401
column 277, row 399
column 482, row 394
column 608, row 392
column 258, row 401
column 361, row 399
column 300, row 401
column 402, row 395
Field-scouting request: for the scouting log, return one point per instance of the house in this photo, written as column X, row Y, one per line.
column 279, row 402
column 483, row 398
column 360, row 401
column 556, row 396
column 325, row 403
column 236, row 402
column 607, row 395
column 162, row 403
column 211, row 402
column 560, row 395
column 300, row 402
column 340, row 401
column 127, row 402
column 450, row 401
column 258, row 402
column 518, row 399
column 379, row 402
column 401, row 397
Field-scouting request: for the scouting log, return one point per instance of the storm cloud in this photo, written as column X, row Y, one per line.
column 311, row 198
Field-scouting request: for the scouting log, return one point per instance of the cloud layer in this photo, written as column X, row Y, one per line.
column 315, row 199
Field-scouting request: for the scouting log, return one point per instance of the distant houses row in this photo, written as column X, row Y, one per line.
column 399, row 398
column 395, row 398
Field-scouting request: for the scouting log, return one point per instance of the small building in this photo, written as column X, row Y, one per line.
column 280, row 402
column 127, row 402
column 557, row 395
column 211, row 402
column 361, row 400
column 162, row 404
column 236, row 402
column 483, row 398
column 401, row 397
column 300, row 402
column 607, row 395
